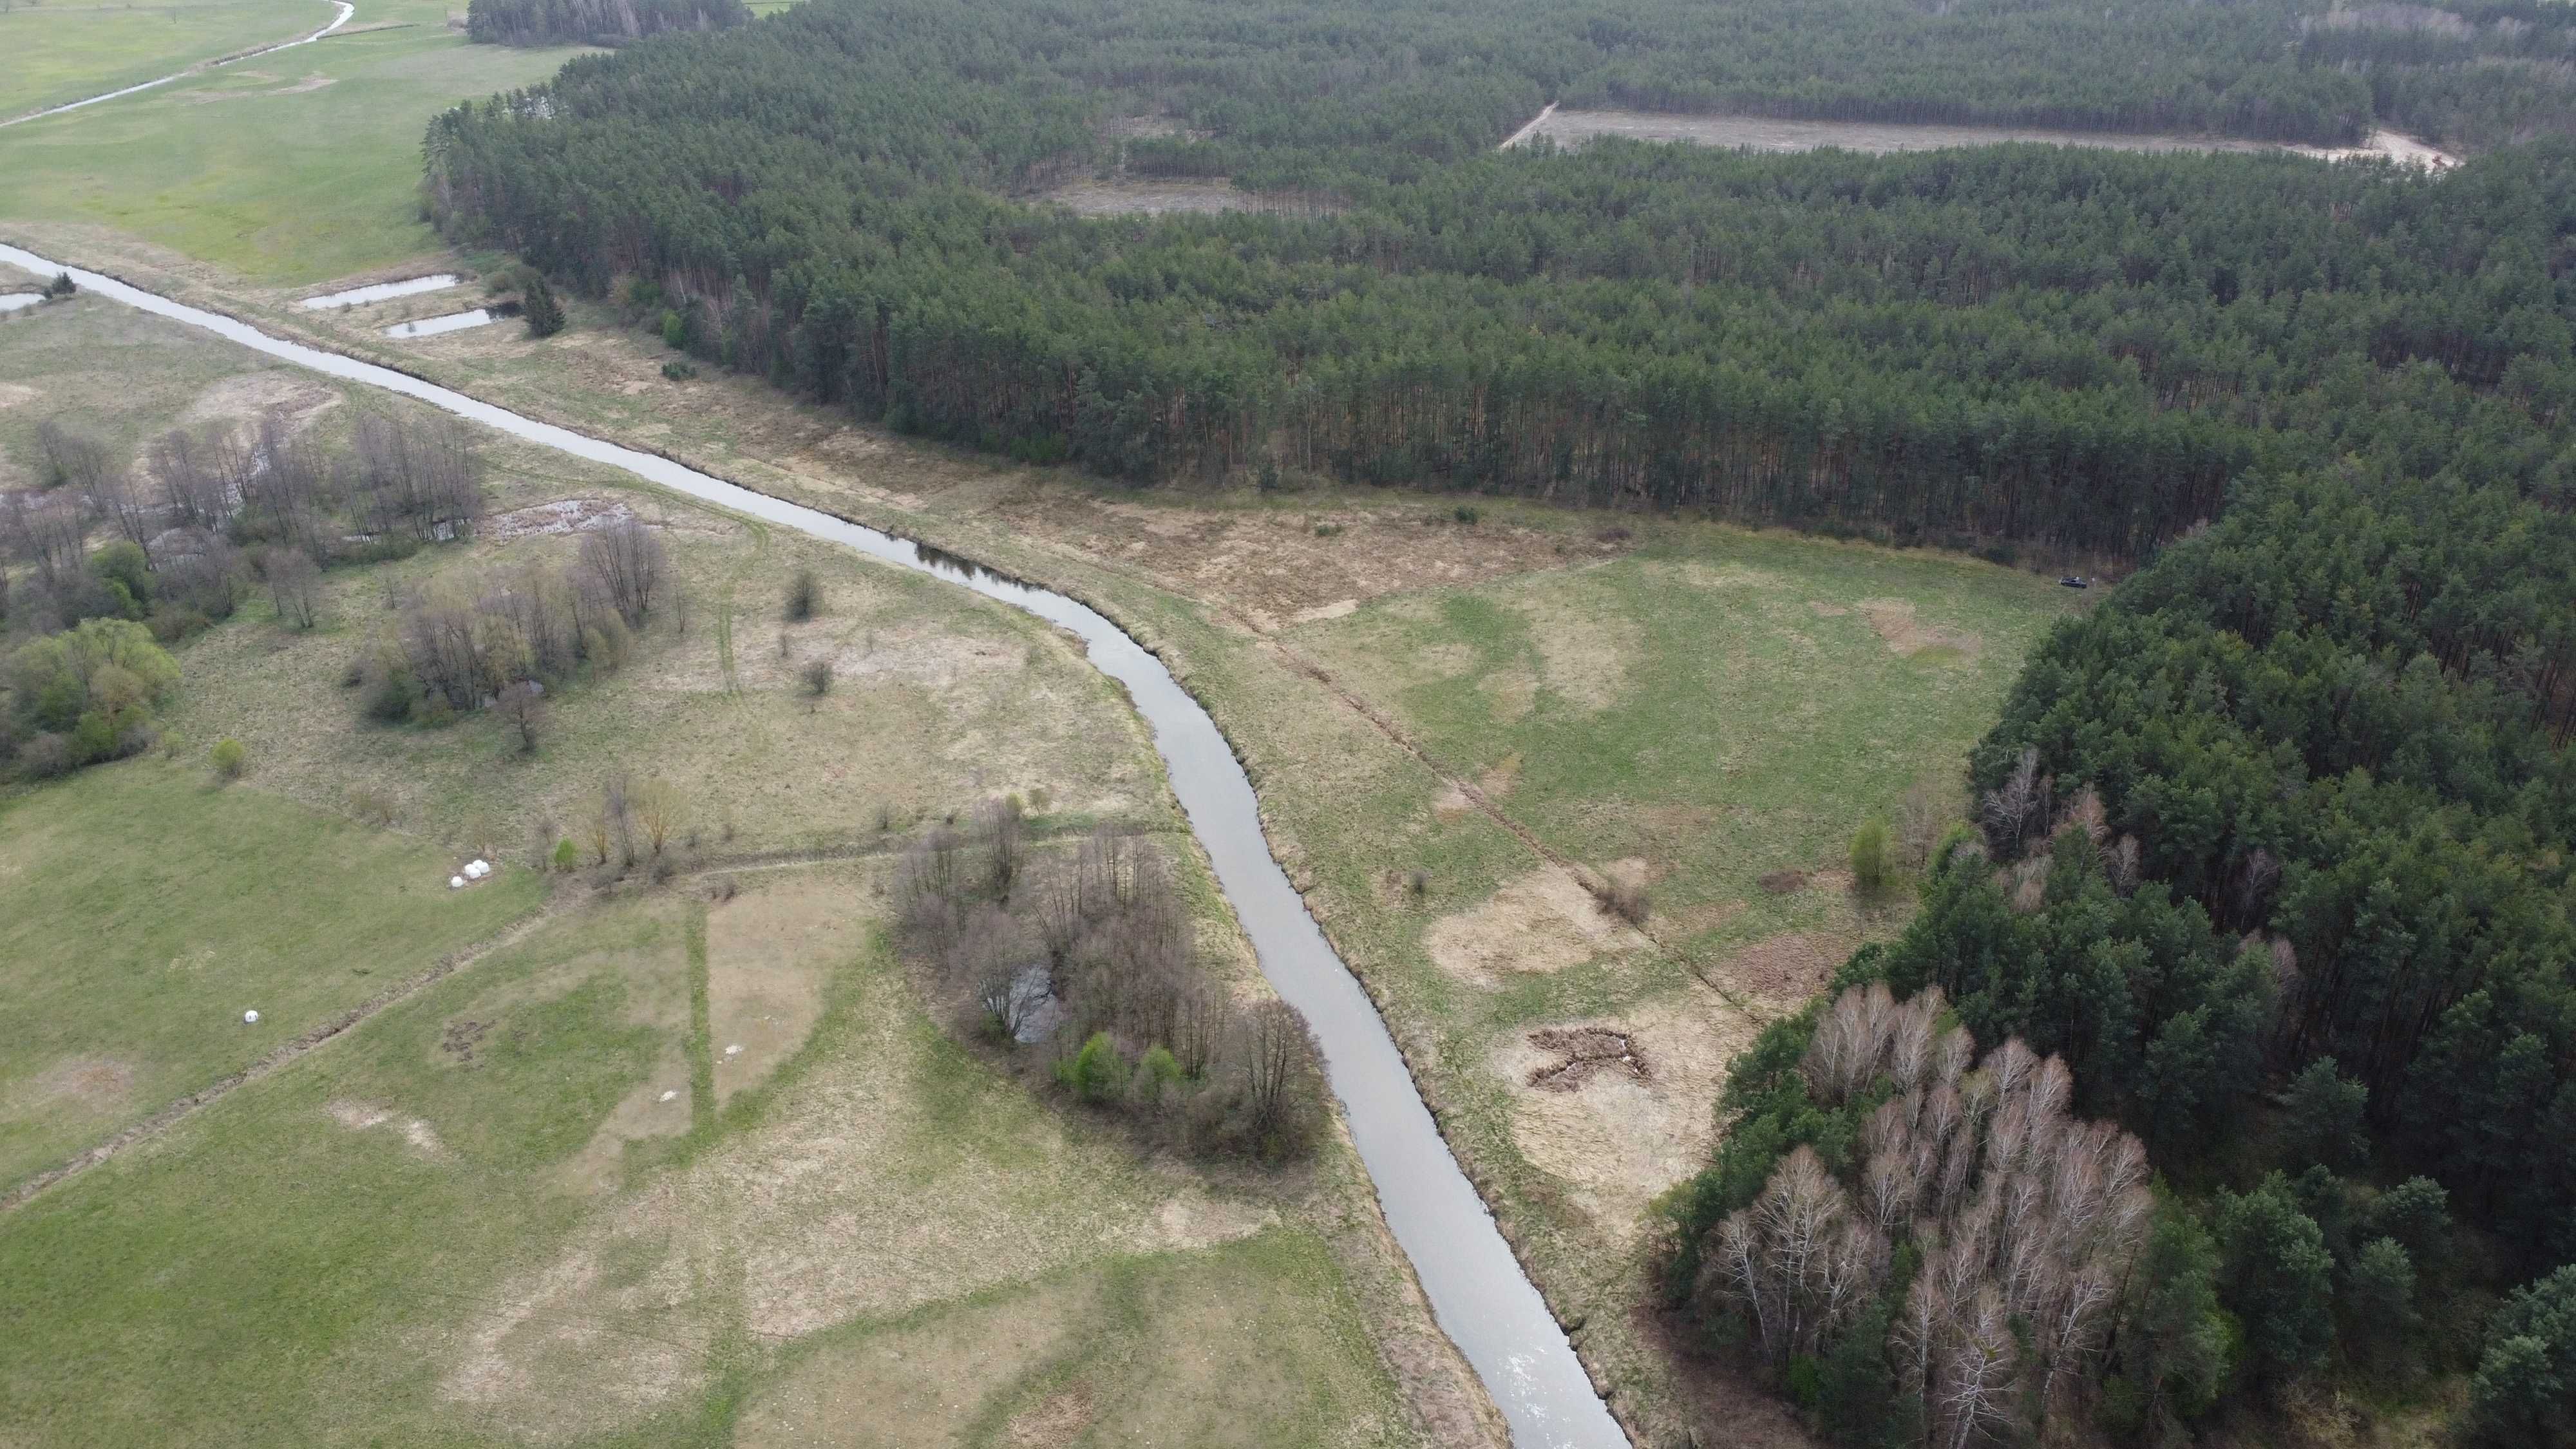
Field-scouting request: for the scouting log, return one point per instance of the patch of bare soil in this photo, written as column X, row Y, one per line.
column 769, row 954
column 1543, row 921
column 1150, row 198
column 96, row 1085
column 564, row 515
column 249, row 396
column 1270, row 566
column 1583, row 651
column 1896, row 624
column 1054, row 1421
column 1619, row 1108
column 1784, row 882
column 365, row 1116
column 14, row 393
column 917, row 1386
column 1786, row 969
column 1761, row 133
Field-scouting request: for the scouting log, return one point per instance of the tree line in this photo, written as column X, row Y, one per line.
column 594, row 22
column 2271, row 860
column 2076, row 347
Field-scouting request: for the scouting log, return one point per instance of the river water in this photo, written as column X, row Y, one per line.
column 1484, row 1302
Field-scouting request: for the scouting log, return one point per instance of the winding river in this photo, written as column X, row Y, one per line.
column 1477, row 1289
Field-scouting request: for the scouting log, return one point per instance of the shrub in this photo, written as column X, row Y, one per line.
column 60, row 287
column 804, row 596
column 1871, row 870
column 229, row 759
column 1096, row 1073
column 1465, row 513
column 567, row 854
column 537, row 301
column 678, row 371
column 675, row 331
column 817, row 676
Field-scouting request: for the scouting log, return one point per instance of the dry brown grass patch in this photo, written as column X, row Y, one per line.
column 769, row 954
column 1619, row 1108
column 1895, row 621
column 1786, row 969
column 1543, row 921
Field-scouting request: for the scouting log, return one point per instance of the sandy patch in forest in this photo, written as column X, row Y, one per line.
column 1787, row 969
column 97, row 1085
column 769, row 955
column 1543, row 921
column 1148, row 198
column 1621, row 1107
column 1905, row 634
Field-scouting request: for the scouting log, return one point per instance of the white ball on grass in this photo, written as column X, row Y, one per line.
column 250, row 1018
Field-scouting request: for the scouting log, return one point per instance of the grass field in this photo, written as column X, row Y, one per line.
column 62, row 52
column 289, row 168
column 140, row 917
column 660, row 1168
column 411, row 1209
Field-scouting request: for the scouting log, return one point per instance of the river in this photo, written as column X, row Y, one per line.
column 1483, row 1300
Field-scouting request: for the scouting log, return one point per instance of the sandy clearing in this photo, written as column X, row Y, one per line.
column 1759, row 133
column 1617, row 1135
column 1542, row 921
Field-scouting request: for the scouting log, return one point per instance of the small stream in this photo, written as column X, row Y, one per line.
column 1477, row 1290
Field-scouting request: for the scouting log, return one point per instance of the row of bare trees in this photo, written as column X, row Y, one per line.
column 2025, row 1222
column 1088, row 953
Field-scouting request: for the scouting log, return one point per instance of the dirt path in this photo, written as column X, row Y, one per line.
column 288, row 1053
column 1525, row 132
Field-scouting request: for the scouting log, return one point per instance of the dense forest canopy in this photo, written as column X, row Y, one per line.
column 2075, row 347
column 594, row 22
column 2275, row 866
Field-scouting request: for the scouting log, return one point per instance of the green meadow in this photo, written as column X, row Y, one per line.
column 295, row 167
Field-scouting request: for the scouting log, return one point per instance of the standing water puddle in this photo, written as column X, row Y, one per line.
column 382, row 291
column 452, row 322
column 1477, row 1289
column 15, row 300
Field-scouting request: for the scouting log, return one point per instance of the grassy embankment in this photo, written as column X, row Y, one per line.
column 543, row 1198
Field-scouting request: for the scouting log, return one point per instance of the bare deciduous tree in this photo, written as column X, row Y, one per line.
column 294, row 586
column 524, row 705
column 71, row 459
column 631, row 566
